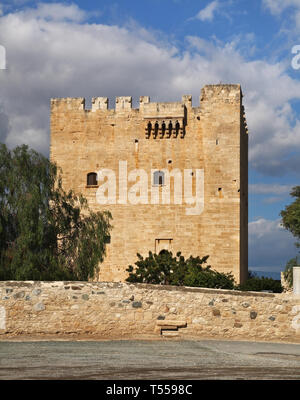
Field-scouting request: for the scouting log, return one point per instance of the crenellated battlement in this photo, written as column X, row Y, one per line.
column 221, row 93
column 160, row 119
column 124, row 103
column 99, row 103
column 68, row 103
column 210, row 93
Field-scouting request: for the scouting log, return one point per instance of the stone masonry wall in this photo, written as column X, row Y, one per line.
column 101, row 310
column 212, row 138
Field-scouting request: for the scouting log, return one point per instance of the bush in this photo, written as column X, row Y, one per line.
column 210, row 279
column 164, row 268
column 258, row 284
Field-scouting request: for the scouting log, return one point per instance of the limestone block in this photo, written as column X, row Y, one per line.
column 170, row 333
column 123, row 103
column 174, row 323
column 99, row 103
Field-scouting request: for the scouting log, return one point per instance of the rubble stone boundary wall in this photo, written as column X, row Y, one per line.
column 107, row 310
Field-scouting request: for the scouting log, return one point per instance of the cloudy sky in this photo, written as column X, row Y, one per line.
column 166, row 48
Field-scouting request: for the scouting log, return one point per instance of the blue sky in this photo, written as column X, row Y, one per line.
column 166, row 48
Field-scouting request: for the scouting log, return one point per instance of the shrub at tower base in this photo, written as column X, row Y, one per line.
column 164, row 268
column 45, row 232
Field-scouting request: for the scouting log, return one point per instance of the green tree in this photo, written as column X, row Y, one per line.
column 164, row 268
column 258, row 284
column 291, row 221
column 288, row 271
column 291, row 215
column 45, row 232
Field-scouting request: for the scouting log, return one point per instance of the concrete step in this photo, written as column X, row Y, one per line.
column 169, row 333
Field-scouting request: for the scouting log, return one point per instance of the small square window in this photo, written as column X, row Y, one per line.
column 92, row 179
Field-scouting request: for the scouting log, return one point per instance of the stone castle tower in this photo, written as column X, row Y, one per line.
column 173, row 176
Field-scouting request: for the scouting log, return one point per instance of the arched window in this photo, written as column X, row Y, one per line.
column 92, row 179
column 158, row 178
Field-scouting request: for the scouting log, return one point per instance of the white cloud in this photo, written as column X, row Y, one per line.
column 207, row 13
column 56, row 58
column 292, row 20
column 272, row 199
column 49, row 56
column 276, row 7
column 269, row 188
column 275, row 192
column 274, row 131
column 270, row 244
column 262, row 227
column 56, row 12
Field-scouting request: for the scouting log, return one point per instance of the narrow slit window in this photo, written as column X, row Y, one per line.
column 177, row 127
column 156, row 127
column 163, row 129
column 170, row 127
column 149, row 129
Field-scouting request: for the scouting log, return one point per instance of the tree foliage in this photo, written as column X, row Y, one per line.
column 166, row 269
column 291, row 215
column 45, row 232
column 288, row 271
column 262, row 283
column 291, row 221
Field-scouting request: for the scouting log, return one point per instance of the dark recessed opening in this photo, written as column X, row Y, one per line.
column 107, row 239
column 149, row 129
column 170, row 126
column 92, row 179
column 136, row 141
column 156, row 127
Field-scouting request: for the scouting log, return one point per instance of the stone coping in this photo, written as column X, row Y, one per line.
column 116, row 285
